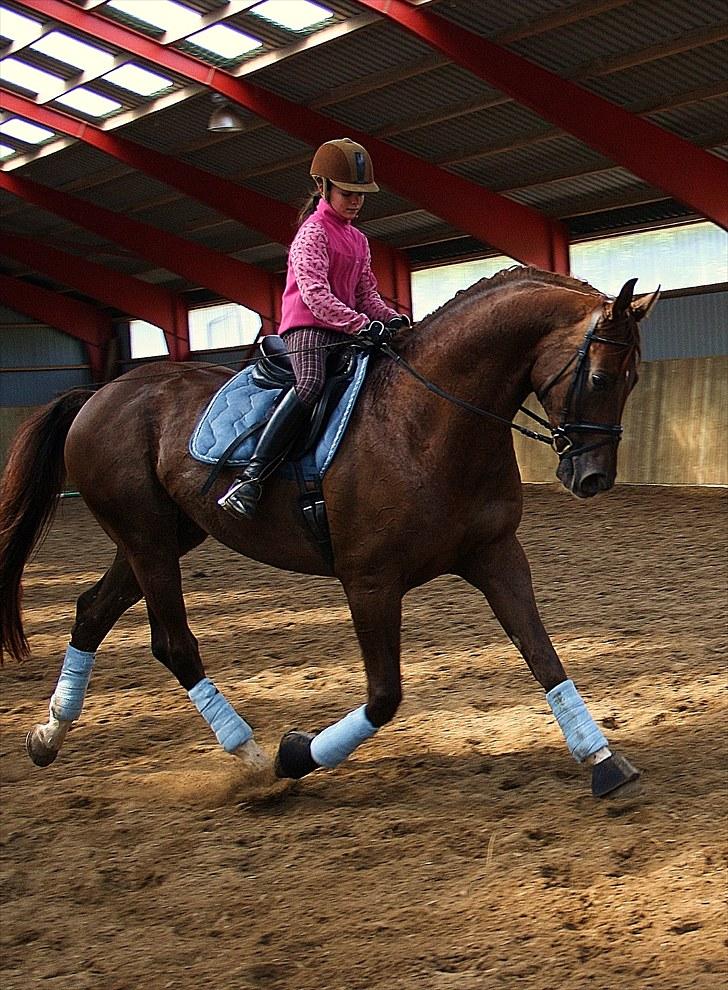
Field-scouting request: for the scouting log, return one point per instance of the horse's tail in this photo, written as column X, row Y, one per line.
column 32, row 481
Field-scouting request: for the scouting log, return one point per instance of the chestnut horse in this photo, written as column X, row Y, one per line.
column 421, row 487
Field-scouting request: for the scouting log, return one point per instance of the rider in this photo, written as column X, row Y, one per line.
column 330, row 292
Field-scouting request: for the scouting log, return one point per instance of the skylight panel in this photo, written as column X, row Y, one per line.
column 165, row 15
column 23, row 130
column 73, row 52
column 225, row 41
column 137, row 80
column 18, row 28
column 292, row 14
column 14, row 71
column 6, row 151
column 88, row 102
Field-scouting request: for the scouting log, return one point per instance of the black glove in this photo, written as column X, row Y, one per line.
column 397, row 323
column 375, row 334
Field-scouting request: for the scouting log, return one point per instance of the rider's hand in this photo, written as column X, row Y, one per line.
column 397, row 323
column 375, row 334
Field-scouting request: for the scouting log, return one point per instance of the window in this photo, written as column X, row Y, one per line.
column 224, row 41
column 211, row 327
column 146, row 340
column 88, row 102
column 23, row 130
column 38, row 81
column 163, row 14
column 434, row 286
column 292, row 14
column 226, row 325
column 674, row 257
column 73, row 52
column 137, row 80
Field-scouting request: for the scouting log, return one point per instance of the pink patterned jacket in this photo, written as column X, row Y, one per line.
column 330, row 282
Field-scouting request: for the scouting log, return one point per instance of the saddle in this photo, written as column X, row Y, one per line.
column 274, row 370
column 225, row 434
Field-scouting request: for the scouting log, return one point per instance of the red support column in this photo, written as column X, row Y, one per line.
column 75, row 318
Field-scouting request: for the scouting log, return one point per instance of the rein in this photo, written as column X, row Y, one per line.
column 558, row 439
column 431, row 387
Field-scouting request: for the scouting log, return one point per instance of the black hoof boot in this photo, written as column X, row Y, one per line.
column 615, row 777
column 294, row 755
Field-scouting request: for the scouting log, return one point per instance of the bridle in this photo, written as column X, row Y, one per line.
column 561, row 441
column 558, row 437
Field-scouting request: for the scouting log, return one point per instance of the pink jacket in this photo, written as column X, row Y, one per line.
column 330, row 282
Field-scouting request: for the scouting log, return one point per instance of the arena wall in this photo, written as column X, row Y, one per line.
column 675, row 423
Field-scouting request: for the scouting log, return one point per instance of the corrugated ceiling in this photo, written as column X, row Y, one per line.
column 666, row 61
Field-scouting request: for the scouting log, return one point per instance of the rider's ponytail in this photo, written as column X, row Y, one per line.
column 309, row 206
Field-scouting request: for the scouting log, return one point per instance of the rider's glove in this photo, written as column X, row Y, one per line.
column 397, row 323
column 375, row 334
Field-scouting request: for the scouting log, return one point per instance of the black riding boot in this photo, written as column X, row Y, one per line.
column 280, row 431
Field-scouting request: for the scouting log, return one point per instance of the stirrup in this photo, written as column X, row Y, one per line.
column 242, row 497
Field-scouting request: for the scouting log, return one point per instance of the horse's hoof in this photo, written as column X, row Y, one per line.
column 615, row 777
column 41, row 754
column 294, row 755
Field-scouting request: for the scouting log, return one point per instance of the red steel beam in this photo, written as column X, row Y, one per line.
column 77, row 319
column 152, row 303
column 517, row 230
column 232, row 279
column 274, row 219
column 271, row 217
column 693, row 176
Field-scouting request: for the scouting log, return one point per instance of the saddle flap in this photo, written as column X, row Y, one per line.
column 274, row 368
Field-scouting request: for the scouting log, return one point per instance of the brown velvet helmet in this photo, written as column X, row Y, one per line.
column 346, row 164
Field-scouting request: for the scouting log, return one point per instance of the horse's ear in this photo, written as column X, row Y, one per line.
column 622, row 302
column 642, row 305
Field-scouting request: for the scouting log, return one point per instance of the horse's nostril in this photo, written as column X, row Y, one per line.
column 594, row 483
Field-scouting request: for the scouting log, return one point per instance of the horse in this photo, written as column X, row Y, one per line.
column 421, row 487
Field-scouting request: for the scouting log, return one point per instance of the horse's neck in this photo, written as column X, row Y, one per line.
column 484, row 352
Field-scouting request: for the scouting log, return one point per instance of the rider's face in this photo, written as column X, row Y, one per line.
column 346, row 204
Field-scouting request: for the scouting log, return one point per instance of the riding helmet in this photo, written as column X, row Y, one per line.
column 346, row 164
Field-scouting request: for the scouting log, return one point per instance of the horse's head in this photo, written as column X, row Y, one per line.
column 583, row 378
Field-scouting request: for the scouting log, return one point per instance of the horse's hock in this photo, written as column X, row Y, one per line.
column 458, row 848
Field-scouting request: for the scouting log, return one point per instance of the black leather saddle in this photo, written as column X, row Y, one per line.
column 274, row 370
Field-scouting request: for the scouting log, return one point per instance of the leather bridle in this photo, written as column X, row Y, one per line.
column 561, row 440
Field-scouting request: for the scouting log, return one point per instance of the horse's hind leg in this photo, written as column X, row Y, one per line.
column 97, row 610
column 158, row 572
column 502, row 573
column 377, row 614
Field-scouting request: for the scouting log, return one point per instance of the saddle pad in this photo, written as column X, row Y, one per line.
column 240, row 404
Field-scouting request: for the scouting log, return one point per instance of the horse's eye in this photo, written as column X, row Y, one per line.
column 600, row 381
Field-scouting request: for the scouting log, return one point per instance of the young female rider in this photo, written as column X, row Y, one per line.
column 330, row 292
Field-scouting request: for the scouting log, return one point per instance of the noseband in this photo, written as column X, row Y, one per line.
column 561, row 441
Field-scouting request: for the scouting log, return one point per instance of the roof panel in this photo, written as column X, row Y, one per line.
column 665, row 77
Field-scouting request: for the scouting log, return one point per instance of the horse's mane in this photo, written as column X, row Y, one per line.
column 510, row 277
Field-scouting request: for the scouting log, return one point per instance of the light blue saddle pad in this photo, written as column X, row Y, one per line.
column 240, row 404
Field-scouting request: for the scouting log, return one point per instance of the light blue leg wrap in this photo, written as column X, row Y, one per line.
column 332, row 746
column 231, row 730
column 67, row 700
column 583, row 736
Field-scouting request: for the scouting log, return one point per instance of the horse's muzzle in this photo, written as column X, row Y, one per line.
column 583, row 481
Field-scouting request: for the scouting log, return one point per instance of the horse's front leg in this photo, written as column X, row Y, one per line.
column 377, row 614
column 502, row 573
